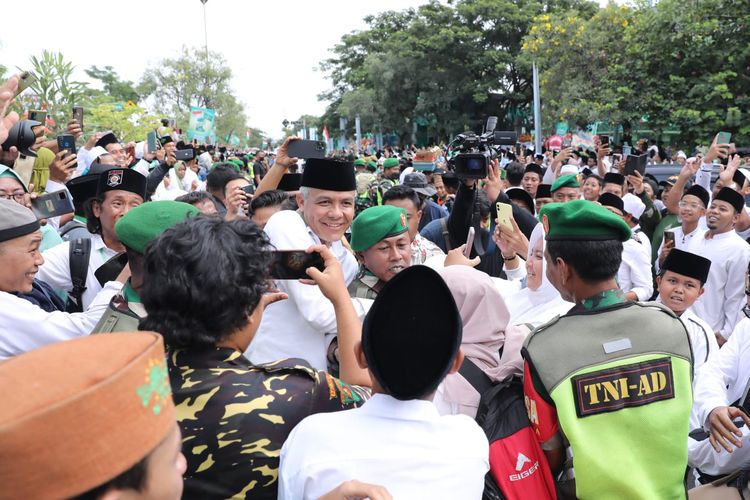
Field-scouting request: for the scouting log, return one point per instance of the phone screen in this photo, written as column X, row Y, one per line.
column 78, row 115
column 291, row 264
column 151, row 142
column 723, row 138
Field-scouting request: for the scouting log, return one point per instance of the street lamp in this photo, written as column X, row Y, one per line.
column 205, row 31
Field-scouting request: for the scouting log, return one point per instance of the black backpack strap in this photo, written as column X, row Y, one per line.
column 78, row 254
column 475, row 376
column 446, row 235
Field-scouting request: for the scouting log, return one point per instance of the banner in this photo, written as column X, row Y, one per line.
column 202, row 125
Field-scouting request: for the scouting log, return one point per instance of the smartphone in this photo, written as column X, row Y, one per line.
column 616, row 158
column 604, row 140
column 504, row 215
column 38, row 116
column 249, row 189
column 291, row 264
column 567, row 142
column 503, row 174
column 723, row 138
column 66, row 141
column 469, row 242
column 52, row 204
column 635, row 163
column 184, row 154
column 110, row 270
column 151, row 142
column 302, row 148
column 669, row 238
column 78, row 115
column 26, row 80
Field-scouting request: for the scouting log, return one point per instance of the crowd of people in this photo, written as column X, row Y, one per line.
column 151, row 345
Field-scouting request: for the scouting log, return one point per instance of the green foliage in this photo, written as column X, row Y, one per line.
column 192, row 79
column 114, row 87
column 128, row 121
column 677, row 64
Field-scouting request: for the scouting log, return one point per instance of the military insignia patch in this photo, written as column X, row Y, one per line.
column 114, row 178
column 403, row 220
column 622, row 387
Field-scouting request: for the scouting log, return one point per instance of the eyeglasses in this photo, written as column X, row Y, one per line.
column 17, row 197
column 694, row 206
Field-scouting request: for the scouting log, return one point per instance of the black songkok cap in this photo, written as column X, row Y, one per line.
column 106, row 140
column 82, row 189
column 533, row 167
column 612, row 200
column 700, row 192
column 614, row 178
column 543, row 191
column 121, row 179
column 165, row 139
column 687, row 264
column 411, row 349
column 732, row 197
column 290, row 182
column 329, row 174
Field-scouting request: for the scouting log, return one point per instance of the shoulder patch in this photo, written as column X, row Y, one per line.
column 621, row 387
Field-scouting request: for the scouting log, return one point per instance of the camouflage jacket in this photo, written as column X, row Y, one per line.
column 235, row 416
column 364, row 286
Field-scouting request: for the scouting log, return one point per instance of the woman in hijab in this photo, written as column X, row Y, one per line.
column 485, row 327
column 539, row 302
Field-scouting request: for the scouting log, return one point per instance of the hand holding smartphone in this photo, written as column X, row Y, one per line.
column 504, row 216
column 469, row 242
column 292, row 264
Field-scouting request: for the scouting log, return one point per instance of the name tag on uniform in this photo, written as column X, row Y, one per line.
column 624, row 386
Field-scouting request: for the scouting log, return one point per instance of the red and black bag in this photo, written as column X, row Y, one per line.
column 518, row 466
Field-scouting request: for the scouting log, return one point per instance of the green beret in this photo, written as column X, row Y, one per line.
column 391, row 162
column 375, row 224
column 570, row 180
column 582, row 220
column 145, row 222
column 359, row 162
column 372, row 164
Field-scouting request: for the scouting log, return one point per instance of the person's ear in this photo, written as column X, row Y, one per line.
column 96, row 209
column 700, row 292
column 111, row 494
column 300, row 200
column 458, row 361
column 658, row 282
column 360, row 257
column 360, row 354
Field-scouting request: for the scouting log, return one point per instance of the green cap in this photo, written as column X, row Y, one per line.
column 391, row 162
column 375, row 224
column 373, row 165
column 570, row 180
column 12, row 174
column 582, row 220
column 359, row 162
column 146, row 222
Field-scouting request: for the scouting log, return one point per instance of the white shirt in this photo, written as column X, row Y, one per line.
column 25, row 326
column 702, row 338
column 404, row 446
column 724, row 297
column 56, row 268
column 296, row 327
column 681, row 241
column 642, row 239
column 720, row 382
column 634, row 274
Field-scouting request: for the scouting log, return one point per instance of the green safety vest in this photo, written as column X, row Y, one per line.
column 620, row 378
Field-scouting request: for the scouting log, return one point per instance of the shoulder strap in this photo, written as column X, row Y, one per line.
column 74, row 224
column 446, row 235
column 79, row 253
column 475, row 376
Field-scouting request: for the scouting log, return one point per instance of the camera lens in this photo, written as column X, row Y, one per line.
column 474, row 164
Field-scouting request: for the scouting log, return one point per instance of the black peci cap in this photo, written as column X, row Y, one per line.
column 687, row 264
column 329, row 174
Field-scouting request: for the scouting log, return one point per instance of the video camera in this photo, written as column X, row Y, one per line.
column 474, row 152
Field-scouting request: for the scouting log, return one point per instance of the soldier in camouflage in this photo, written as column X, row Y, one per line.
column 234, row 415
column 380, row 240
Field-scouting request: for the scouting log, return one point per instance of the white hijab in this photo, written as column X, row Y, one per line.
column 536, row 307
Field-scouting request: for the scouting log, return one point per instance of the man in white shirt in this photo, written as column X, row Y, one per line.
column 401, row 443
column 633, row 209
column 24, row 325
column 692, row 207
column 720, row 405
column 302, row 326
column 680, row 284
column 634, row 275
column 118, row 191
column 729, row 254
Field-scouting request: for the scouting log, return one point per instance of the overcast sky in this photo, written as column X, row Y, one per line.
column 273, row 47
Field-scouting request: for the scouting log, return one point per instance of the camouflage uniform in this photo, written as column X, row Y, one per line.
column 123, row 313
column 235, row 416
column 365, row 286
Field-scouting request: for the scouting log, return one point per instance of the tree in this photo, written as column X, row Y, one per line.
column 114, row 87
column 193, row 79
column 56, row 90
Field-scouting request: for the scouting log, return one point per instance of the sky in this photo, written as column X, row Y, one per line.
column 272, row 47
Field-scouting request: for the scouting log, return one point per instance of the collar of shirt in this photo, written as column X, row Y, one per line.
column 601, row 300
column 720, row 236
column 216, row 357
column 130, row 295
column 386, row 406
